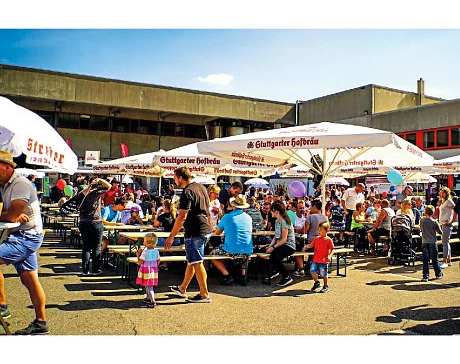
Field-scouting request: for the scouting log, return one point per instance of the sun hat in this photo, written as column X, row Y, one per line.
column 134, row 208
column 239, row 202
column 7, row 158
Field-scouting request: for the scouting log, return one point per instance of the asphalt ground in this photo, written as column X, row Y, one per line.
column 374, row 299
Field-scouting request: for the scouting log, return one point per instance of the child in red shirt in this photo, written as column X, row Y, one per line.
column 324, row 248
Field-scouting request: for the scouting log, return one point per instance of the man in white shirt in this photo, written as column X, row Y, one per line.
column 350, row 198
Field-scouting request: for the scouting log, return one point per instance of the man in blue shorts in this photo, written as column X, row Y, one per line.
column 194, row 216
column 20, row 204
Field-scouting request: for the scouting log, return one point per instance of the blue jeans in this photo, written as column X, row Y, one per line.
column 430, row 251
column 91, row 236
column 194, row 248
column 446, row 232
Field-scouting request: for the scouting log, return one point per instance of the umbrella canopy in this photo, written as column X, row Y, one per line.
column 138, row 165
column 420, row 178
column 322, row 147
column 337, row 181
column 27, row 172
column 189, row 156
column 23, row 131
column 204, row 180
column 256, row 181
column 448, row 165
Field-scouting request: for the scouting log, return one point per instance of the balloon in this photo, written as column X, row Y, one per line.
column 392, row 188
column 68, row 191
column 297, row 189
column 61, row 184
column 384, row 195
column 395, row 178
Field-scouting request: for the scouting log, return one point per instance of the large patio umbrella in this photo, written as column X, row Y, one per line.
column 322, row 147
column 138, row 165
column 448, row 165
column 199, row 163
column 256, row 181
column 23, row 131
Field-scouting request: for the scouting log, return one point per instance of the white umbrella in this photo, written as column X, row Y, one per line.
column 27, row 172
column 204, row 180
column 333, row 145
column 127, row 179
column 420, row 178
column 189, row 156
column 256, row 181
column 138, row 165
column 23, row 131
column 448, row 165
column 337, row 181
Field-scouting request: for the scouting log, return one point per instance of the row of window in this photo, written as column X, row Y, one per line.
column 442, row 138
column 122, row 125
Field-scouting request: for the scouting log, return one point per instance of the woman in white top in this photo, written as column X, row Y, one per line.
column 446, row 217
column 214, row 205
column 406, row 208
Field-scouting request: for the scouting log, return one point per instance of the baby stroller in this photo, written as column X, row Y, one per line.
column 401, row 245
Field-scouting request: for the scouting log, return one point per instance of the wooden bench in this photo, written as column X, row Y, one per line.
column 182, row 258
column 341, row 255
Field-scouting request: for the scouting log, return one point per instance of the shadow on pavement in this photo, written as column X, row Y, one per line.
column 404, row 286
column 447, row 316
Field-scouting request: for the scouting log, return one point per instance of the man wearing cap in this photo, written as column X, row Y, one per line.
column 403, row 196
column 112, row 194
column 350, row 198
column 20, row 204
column 238, row 236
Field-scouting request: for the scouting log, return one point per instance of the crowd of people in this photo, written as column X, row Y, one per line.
column 204, row 214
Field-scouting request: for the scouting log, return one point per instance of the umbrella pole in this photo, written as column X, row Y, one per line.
column 159, row 186
column 323, row 184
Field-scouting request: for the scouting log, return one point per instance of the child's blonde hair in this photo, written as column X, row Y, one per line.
column 429, row 210
column 324, row 225
column 151, row 240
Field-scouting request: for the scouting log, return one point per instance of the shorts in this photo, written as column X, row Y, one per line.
column 379, row 232
column 20, row 250
column 194, row 248
column 319, row 268
column 161, row 242
column 219, row 250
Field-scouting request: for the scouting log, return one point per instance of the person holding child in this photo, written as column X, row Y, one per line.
column 324, row 248
column 429, row 227
column 147, row 276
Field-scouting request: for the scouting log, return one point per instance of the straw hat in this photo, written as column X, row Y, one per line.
column 239, row 202
column 7, row 158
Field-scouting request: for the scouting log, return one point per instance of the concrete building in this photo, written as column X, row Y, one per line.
column 431, row 123
column 98, row 114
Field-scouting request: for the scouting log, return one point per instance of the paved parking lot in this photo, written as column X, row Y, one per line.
column 374, row 299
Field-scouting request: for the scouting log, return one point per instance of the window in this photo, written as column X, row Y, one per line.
column 428, row 139
column 144, row 127
column 99, row 123
column 455, row 136
column 48, row 116
column 168, row 129
column 71, row 121
column 120, row 125
column 195, row 131
column 442, row 138
column 412, row 138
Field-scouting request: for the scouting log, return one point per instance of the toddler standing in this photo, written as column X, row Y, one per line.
column 149, row 259
column 324, row 248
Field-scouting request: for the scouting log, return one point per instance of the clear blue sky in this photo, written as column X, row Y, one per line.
column 281, row 65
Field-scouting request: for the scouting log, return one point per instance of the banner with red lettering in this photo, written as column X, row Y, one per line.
column 124, row 150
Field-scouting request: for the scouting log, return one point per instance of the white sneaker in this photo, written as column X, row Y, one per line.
column 443, row 265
